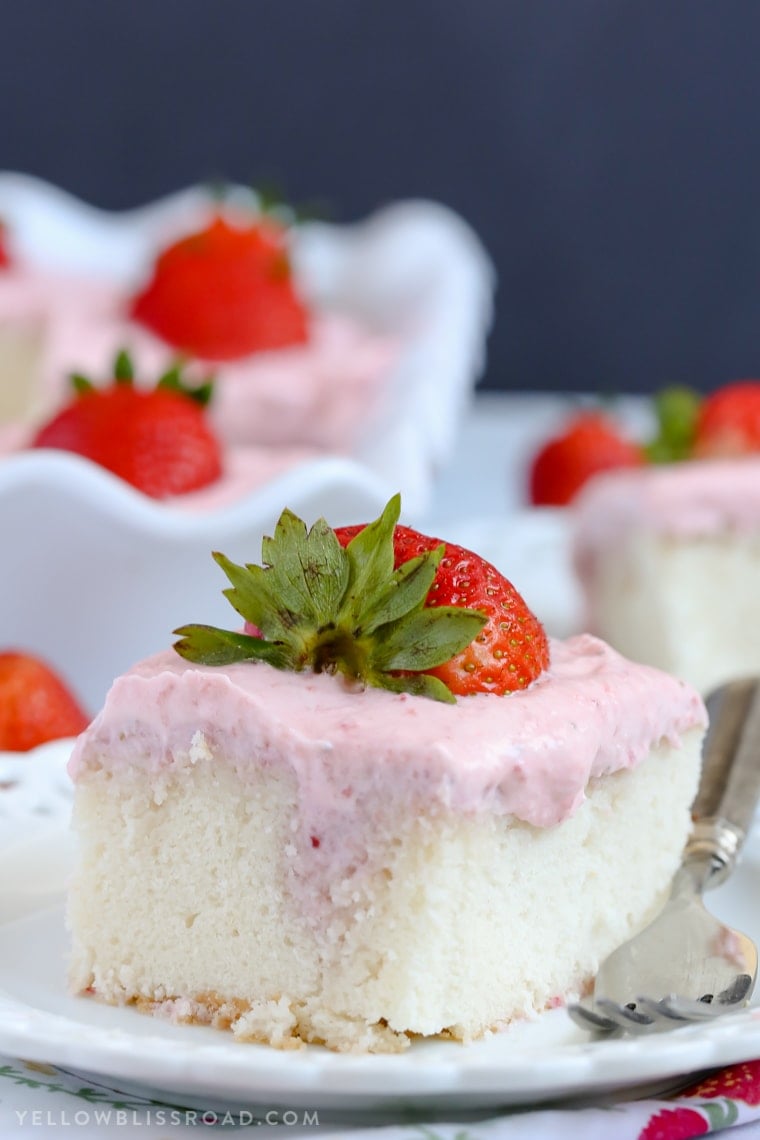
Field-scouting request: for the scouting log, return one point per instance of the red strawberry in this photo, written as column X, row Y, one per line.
column 738, row 1082
column 158, row 440
column 5, row 259
column 729, row 421
column 381, row 604
column 224, row 293
column 511, row 649
column 591, row 443
column 35, row 704
column 675, row 1124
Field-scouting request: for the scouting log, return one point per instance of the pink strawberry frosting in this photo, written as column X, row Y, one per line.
column 529, row 755
column 317, row 394
column 681, row 499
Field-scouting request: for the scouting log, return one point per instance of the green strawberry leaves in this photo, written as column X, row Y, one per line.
column 123, row 368
column 341, row 610
column 676, row 409
column 224, row 647
column 173, row 380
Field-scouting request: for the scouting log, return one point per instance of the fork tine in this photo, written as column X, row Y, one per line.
column 740, row 990
column 587, row 1019
column 626, row 1016
column 685, row 1009
column 678, row 1008
column 670, row 1008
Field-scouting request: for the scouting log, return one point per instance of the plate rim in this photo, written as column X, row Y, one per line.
column 419, row 1074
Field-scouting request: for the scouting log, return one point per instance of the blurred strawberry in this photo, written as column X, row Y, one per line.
column 676, row 410
column 5, row 259
column 729, row 421
column 157, row 439
column 591, row 443
column 35, row 704
column 224, row 293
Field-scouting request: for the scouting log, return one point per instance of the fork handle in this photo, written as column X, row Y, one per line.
column 730, row 785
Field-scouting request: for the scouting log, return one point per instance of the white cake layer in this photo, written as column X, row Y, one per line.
column 688, row 604
column 19, row 357
column 191, row 900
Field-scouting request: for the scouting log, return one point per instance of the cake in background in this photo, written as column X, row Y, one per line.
column 23, row 318
column 225, row 296
column 367, row 816
column 668, row 554
column 669, row 563
column 397, row 305
column 221, row 297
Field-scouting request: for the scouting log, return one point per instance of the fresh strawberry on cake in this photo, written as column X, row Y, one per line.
column 381, row 805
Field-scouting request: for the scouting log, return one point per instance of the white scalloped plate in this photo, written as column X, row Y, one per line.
column 535, row 1061
column 96, row 576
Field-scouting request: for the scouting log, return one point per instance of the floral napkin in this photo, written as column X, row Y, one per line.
column 43, row 1097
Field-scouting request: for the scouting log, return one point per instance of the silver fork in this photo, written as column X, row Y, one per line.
column 686, row 965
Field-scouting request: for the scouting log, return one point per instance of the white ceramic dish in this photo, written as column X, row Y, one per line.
column 532, row 1062
column 413, row 270
column 95, row 575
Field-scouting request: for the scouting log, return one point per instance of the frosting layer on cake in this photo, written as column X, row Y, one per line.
column 668, row 559
column 679, row 499
column 529, row 755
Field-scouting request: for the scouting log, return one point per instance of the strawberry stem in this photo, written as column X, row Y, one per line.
column 123, row 369
column 335, row 609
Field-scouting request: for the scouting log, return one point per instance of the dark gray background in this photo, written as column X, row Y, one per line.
column 606, row 151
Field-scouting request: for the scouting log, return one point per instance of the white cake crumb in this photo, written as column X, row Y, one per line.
column 448, row 925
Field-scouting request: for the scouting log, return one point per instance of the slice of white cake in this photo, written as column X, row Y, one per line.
column 669, row 561
column 42, row 317
column 284, row 855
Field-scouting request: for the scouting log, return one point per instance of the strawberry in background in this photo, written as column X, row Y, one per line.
column 225, row 292
column 5, row 259
column 590, row 443
column 593, row 442
column 728, row 423
column 157, row 439
column 35, row 704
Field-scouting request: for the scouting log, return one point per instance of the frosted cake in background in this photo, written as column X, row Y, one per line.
column 389, row 339
column 34, row 304
column 369, row 818
column 285, row 375
column 666, row 531
column 669, row 561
